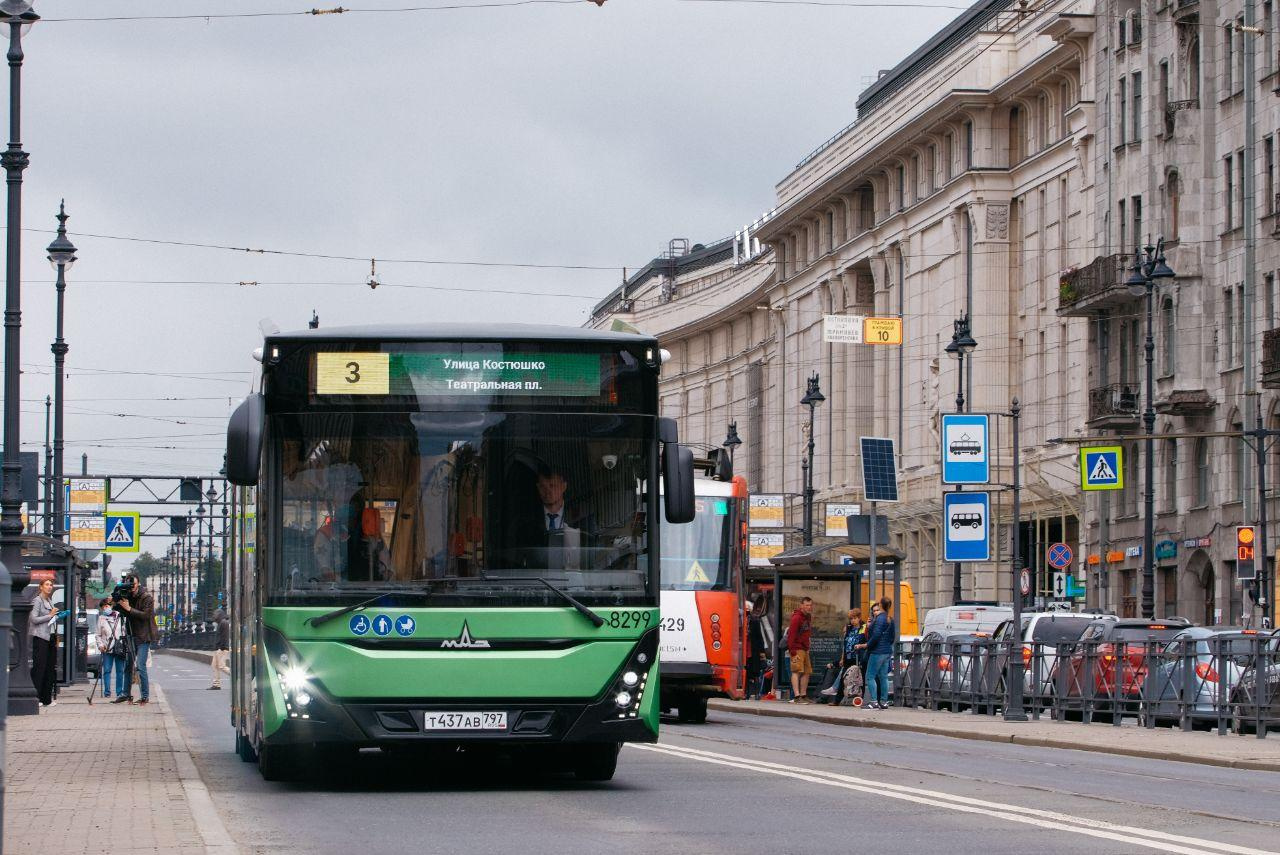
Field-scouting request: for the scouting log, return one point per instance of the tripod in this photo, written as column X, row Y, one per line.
column 124, row 635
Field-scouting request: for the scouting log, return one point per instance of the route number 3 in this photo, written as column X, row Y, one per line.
column 352, row 373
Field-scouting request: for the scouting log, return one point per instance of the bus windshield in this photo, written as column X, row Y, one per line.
column 695, row 556
column 460, row 507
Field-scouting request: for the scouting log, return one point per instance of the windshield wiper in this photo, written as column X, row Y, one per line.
column 345, row 610
column 586, row 612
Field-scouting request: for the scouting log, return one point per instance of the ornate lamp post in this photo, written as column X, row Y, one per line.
column 62, row 254
column 812, row 398
column 732, row 440
column 962, row 344
column 1148, row 270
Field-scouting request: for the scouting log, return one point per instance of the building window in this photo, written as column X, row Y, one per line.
column 1269, row 295
column 1169, row 321
column 1124, row 224
column 1064, row 107
column 1228, row 329
column 1202, row 472
column 931, row 170
column 1193, row 71
column 1171, row 475
column 1268, row 40
column 902, row 187
column 948, row 152
column 1173, row 195
column 1123, row 112
column 1015, row 135
column 1238, row 462
column 968, row 146
column 1238, row 74
column 1228, row 192
column 1136, row 97
column 1162, row 96
column 1135, row 207
column 1169, row 590
column 1135, row 28
column 1042, row 122
column 1240, row 188
column 1133, row 483
column 1269, row 174
column 1228, row 57
column 1240, row 321
column 1123, row 34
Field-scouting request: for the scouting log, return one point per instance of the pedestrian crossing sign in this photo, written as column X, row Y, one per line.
column 697, row 574
column 1102, row 468
column 122, row 531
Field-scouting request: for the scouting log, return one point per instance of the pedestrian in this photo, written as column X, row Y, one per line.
column 879, row 647
column 221, row 648
column 850, row 669
column 111, row 646
column 139, row 610
column 757, row 655
column 799, row 633
column 44, row 644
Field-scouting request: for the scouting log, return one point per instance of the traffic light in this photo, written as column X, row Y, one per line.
column 1246, row 569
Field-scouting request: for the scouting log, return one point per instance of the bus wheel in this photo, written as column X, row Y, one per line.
column 244, row 748
column 596, row 762
column 277, row 762
column 693, row 710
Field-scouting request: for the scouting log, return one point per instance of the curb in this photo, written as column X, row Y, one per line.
column 217, row 840
column 1009, row 739
column 197, row 655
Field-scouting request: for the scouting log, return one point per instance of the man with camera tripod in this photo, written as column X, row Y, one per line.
column 139, row 610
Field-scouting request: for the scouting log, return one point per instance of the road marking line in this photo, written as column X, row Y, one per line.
column 1011, row 813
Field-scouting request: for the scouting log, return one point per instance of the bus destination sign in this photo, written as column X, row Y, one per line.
column 458, row 374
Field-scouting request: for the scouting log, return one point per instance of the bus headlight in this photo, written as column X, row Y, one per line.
column 630, row 678
column 293, row 679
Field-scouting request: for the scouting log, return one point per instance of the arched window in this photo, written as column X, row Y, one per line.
column 1169, row 326
column 1202, row 472
column 1193, row 70
column 1172, row 204
column 1015, row 135
column 1171, row 475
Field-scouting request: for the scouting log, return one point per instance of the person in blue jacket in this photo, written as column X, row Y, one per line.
column 879, row 647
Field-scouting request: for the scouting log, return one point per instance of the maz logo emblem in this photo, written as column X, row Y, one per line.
column 465, row 641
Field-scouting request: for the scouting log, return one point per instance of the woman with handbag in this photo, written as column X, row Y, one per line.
column 111, row 642
column 44, row 646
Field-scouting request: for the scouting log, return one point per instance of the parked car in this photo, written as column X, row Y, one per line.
column 949, row 666
column 1199, row 667
column 1248, row 705
column 977, row 617
column 1105, row 669
column 1041, row 635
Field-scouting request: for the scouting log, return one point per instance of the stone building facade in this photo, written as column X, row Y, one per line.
column 964, row 186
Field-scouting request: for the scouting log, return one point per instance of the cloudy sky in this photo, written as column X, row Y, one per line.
column 550, row 133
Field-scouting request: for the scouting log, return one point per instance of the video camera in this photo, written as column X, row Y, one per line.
column 122, row 591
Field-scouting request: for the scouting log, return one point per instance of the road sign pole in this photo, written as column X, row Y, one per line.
column 1014, row 710
column 871, row 576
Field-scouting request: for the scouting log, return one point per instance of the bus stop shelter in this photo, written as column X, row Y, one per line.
column 836, row 576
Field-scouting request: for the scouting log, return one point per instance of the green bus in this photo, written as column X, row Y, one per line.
column 445, row 536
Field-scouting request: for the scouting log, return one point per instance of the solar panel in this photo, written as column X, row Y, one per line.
column 879, row 470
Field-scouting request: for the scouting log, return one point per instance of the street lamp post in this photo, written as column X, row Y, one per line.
column 200, row 573
column 1015, row 708
column 812, row 398
column 48, row 467
column 962, row 344
column 210, row 596
column 62, row 254
column 16, row 684
column 1148, row 269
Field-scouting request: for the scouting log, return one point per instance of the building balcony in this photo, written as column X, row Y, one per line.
column 1271, row 359
column 1186, row 11
column 1099, row 285
column 1186, row 402
column 1114, row 407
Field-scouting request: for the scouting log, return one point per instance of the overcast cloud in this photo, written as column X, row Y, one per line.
column 545, row 134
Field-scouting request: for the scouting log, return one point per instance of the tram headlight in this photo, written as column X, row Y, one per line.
column 302, row 699
column 630, row 678
column 623, row 699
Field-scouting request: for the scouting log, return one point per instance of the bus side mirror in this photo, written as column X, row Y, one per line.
column 677, row 477
column 244, row 441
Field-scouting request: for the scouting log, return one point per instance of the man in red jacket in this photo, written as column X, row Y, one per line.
column 798, row 635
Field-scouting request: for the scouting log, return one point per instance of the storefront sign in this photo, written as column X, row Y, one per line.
column 1167, row 549
column 1115, row 556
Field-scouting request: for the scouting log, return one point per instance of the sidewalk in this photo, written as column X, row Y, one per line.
column 106, row 778
column 1162, row 743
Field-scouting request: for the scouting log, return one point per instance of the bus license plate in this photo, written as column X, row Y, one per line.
column 464, row 721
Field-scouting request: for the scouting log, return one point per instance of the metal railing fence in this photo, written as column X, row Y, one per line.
column 1223, row 683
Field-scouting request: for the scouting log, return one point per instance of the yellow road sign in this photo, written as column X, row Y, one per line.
column 697, row 574
column 882, row 331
